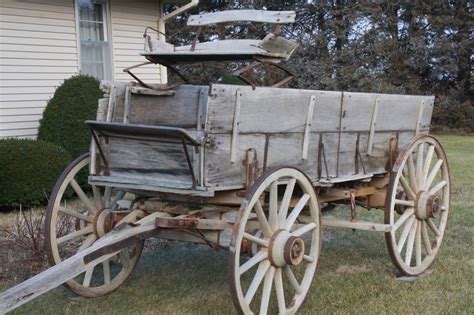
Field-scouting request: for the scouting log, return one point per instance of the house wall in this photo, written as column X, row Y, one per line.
column 39, row 49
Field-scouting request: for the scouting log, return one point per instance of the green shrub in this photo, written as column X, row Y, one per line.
column 63, row 119
column 29, row 170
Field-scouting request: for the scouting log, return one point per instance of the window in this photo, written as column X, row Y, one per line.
column 93, row 37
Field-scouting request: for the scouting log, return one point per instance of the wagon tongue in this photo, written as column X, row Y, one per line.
column 70, row 268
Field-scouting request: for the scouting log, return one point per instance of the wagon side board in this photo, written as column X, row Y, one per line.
column 337, row 137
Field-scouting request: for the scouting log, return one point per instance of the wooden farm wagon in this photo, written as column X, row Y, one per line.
column 243, row 167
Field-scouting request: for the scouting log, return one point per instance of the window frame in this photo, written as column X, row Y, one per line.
column 108, row 74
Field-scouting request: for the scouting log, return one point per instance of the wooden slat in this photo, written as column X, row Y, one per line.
column 263, row 109
column 276, row 17
column 36, row 34
column 37, row 62
column 37, row 28
column 68, row 16
column 36, row 20
column 38, row 48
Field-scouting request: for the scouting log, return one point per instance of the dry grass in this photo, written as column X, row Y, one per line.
column 355, row 274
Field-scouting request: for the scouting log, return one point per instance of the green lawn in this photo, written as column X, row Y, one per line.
column 355, row 274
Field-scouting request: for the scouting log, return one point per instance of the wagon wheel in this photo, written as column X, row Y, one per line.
column 287, row 249
column 417, row 205
column 77, row 216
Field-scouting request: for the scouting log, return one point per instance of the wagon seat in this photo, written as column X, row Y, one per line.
column 272, row 48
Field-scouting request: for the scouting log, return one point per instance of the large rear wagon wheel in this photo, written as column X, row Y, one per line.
column 417, row 205
column 275, row 244
column 79, row 214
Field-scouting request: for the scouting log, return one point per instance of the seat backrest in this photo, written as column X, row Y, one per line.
column 260, row 16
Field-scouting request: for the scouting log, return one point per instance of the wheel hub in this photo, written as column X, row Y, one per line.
column 427, row 206
column 285, row 249
column 103, row 222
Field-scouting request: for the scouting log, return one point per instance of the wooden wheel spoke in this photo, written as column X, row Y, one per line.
column 264, row 225
column 406, row 187
column 412, row 173
column 433, row 227
column 260, row 256
column 84, row 231
column 304, row 229
column 285, row 203
column 404, row 235
column 106, row 268
column 405, row 216
column 256, row 240
column 426, row 238
column 292, row 279
column 273, row 210
column 410, row 243
column 88, row 277
column 267, row 290
column 419, row 165
column 433, row 173
column 308, row 258
column 296, row 212
column 427, row 164
column 408, row 203
column 418, row 243
column 88, row 242
column 76, row 214
column 438, row 187
column 261, row 271
column 124, row 259
column 82, row 195
column 280, row 292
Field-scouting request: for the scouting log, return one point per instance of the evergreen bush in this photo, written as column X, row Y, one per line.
column 29, row 170
column 63, row 119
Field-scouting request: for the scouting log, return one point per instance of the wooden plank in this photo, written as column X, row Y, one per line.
column 147, row 91
column 259, row 16
column 285, row 149
column 180, row 109
column 395, row 112
column 148, row 161
column 220, row 171
column 71, row 267
column 262, row 107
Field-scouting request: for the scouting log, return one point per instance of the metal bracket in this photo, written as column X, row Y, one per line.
column 251, row 167
column 322, row 158
column 235, row 127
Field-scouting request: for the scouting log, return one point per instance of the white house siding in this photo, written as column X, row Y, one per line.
column 38, row 50
column 129, row 19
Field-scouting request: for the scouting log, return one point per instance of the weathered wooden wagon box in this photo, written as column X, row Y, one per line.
column 331, row 136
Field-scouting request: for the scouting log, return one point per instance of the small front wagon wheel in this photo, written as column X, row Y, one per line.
column 79, row 214
column 417, row 205
column 280, row 218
